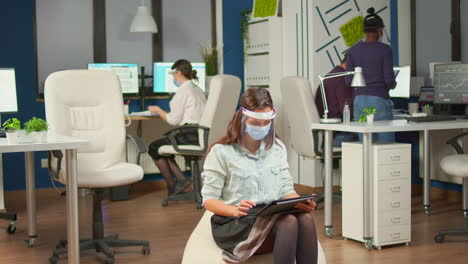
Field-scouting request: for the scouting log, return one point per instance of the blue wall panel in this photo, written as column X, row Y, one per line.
column 233, row 54
column 17, row 50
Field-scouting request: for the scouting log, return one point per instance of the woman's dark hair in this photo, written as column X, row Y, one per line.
column 252, row 99
column 372, row 21
column 185, row 68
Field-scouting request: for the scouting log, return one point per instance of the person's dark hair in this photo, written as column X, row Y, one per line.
column 372, row 21
column 252, row 99
column 185, row 68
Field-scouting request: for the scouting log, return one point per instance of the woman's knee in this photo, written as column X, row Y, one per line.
column 306, row 218
column 287, row 222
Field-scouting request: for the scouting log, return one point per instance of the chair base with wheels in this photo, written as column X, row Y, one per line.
column 12, row 217
column 456, row 165
column 194, row 195
column 99, row 243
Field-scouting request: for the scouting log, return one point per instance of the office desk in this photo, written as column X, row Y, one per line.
column 140, row 118
column 367, row 130
column 54, row 142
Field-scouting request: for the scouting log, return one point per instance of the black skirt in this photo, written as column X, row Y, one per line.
column 185, row 136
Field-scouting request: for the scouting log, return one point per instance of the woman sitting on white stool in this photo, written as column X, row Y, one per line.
column 246, row 168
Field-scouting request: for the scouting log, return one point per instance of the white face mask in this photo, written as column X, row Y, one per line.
column 257, row 132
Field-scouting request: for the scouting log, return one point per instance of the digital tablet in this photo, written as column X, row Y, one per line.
column 284, row 205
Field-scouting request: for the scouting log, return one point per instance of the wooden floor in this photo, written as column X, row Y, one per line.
column 168, row 229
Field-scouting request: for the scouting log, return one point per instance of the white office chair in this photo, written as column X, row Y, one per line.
column 456, row 165
column 219, row 109
column 301, row 112
column 88, row 104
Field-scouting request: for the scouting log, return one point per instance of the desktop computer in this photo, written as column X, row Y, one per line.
column 127, row 73
column 451, row 89
column 163, row 82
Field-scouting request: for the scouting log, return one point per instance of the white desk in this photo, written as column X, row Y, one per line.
column 54, row 142
column 367, row 130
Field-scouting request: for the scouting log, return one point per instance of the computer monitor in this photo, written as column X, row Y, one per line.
column 127, row 73
column 8, row 102
column 403, row 81
column 451, row 83
column 431, row 69
column 163, row 82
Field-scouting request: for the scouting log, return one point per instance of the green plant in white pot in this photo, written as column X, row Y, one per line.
column 367, row 114
column 12, row 126
column 210, row 57
column 37, row 127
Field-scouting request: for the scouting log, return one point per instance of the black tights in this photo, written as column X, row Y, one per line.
column 168, row 167
column 295, row 239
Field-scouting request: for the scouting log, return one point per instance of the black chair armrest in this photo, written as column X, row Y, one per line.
column 315, row 136
column 138, row 142
column 170, row 135
column 319, row 149
column 454, row 143
column 58, row 154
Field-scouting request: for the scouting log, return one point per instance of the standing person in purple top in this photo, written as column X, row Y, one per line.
column 338, row 95
column 376, row 60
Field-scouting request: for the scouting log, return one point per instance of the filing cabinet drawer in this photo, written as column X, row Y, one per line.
column 393, row 156
column 393, row 195
column 393, row 218
column 394, row 233
column 392, row 172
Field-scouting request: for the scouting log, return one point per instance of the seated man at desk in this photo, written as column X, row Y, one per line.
column 338, row 94
column 186, row 108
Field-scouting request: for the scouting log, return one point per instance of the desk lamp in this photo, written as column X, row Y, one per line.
column 358, row 81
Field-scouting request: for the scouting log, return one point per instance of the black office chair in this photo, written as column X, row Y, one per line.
column 456, row 165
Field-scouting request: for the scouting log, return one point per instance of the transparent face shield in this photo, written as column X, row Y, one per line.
column 258, row 126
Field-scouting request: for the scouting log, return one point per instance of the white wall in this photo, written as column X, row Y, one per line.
column 124, row 46
column 64, row 36
column 186, row 25
column 433, row 40
column 404, row 32
column 464, row 30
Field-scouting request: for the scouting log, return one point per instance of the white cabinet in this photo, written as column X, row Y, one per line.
column 263, row 62
column 391, row 186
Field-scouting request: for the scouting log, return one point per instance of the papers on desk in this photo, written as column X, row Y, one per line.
column 143, row 113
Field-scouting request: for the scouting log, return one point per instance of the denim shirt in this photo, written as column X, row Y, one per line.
column 231, row 174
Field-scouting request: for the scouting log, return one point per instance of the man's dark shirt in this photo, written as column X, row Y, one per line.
column 338, row 94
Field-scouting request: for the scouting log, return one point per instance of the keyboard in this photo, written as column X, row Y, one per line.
column 430, row 118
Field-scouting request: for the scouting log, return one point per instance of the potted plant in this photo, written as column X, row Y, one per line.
column 367, row 114
column 210, row 56
column 37, row 128
column 12, row 126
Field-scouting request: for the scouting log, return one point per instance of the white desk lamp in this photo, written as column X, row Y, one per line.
column 358, row 81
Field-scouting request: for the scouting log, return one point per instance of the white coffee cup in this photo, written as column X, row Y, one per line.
column 412, row 108
column 125, row 109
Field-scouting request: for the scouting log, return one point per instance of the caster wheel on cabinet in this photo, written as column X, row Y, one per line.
column 439, row 238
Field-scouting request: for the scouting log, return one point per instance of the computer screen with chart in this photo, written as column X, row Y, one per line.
column 8, row 102
column 451, row 83
column 163, row 82
column 127, row 73
column 403, row 81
